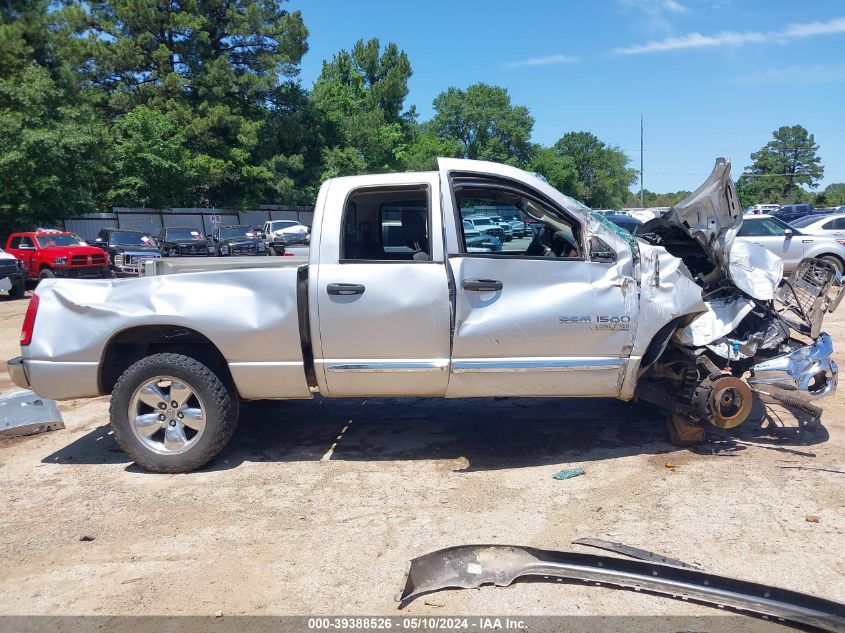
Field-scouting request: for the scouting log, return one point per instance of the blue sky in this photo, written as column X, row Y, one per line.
column 710, row 77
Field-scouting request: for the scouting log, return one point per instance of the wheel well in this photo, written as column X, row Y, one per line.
column 834, row 256
column 130, row 346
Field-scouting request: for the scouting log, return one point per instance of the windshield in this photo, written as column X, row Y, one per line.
column 183, row 234
column 482, row 221
column 130, row 238
column 229, row 232
column 286, row 224
column 50, row 241
column 805, row 221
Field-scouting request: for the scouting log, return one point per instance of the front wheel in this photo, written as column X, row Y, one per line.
column 47, row 274
column 172, row 414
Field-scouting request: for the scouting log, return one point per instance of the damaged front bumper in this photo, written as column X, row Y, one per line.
column 808, row 369
column 471, row 566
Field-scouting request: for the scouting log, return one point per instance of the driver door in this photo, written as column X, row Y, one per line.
column 532, row 324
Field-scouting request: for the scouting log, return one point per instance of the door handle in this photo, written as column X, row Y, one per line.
column 481, row 285
column 345, row 289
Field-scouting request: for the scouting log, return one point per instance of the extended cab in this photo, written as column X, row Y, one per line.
column 46, row 254
column 392, row 302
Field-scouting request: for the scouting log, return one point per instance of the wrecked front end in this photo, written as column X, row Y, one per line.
column 757, row 332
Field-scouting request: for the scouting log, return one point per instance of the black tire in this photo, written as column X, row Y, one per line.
column 18, row 289
column 221, row 412
column 833, row 259
column 47, row 274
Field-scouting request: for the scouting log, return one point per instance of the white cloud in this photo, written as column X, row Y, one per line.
column 730, row 38
column 655, row 14
column 674, row 7
column 543, row 61
column 814, row 28
column 795, row 75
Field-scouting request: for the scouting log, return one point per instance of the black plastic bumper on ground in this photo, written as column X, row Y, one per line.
column 471, row 566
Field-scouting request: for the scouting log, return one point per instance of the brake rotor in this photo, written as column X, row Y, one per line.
column 730, row 401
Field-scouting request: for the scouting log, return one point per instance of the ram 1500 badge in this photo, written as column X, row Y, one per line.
column 393, row 302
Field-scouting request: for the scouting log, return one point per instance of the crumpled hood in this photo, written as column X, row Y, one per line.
column 712, row 216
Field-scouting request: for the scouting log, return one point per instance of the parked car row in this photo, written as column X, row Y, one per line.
column 789, row 242
column 45, row 253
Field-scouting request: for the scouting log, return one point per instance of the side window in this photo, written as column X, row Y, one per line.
column 827, row 225
column 760, row 228
column 26, row 242
column 503, row 220
column 387, row 224
column 15, row 242
column 839, row 224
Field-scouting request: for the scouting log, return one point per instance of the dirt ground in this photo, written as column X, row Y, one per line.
column 275, row 527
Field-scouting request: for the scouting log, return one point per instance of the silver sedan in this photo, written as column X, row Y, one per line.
column 791, row 244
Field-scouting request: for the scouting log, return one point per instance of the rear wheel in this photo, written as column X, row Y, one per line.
column 47, row 274
column 172, row 414
column 832, row 259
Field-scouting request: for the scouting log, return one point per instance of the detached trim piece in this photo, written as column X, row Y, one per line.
column 471, row 566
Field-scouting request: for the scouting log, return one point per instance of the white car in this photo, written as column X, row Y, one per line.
column 762, row 208
column 791, row 244
column 290, row 231
column 830, row 224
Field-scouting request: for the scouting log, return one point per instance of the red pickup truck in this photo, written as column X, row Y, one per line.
column 58, row 254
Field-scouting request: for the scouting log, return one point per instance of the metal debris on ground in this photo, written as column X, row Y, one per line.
column 824, row 470
column 25, row 413
column 569, row 473
column 632, row 552
column 472, row 566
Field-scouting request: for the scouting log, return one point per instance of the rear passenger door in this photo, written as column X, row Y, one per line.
column 381, row 290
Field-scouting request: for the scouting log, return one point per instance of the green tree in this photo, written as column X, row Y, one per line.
column 153, row 165
column 360, row 95
column 786, row 162
column 218, row 68
column 833, row 195
column 485, row 124
column 603, row 173
column 52, row 157
column 558, row 170
column 53, row 143
column 652, row 199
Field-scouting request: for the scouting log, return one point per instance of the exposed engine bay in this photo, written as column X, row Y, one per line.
column 706, row 368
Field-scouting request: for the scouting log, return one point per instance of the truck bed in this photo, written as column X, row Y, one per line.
column 176, row 265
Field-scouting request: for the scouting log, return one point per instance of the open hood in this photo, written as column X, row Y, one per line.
column 702, row 229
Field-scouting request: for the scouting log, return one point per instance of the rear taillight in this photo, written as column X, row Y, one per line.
column 289, row 254
column 29, row 321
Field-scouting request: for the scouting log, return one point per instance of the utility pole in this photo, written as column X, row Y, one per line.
column 641, row 160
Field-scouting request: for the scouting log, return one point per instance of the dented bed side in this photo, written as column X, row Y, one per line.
column 250, row 315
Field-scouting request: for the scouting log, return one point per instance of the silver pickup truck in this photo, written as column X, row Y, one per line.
column 390, row 302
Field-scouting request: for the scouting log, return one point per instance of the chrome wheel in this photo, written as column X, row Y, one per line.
column 167, row 415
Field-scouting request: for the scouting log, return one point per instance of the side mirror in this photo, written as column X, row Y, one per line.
column 601, row 252
column 788, row 232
